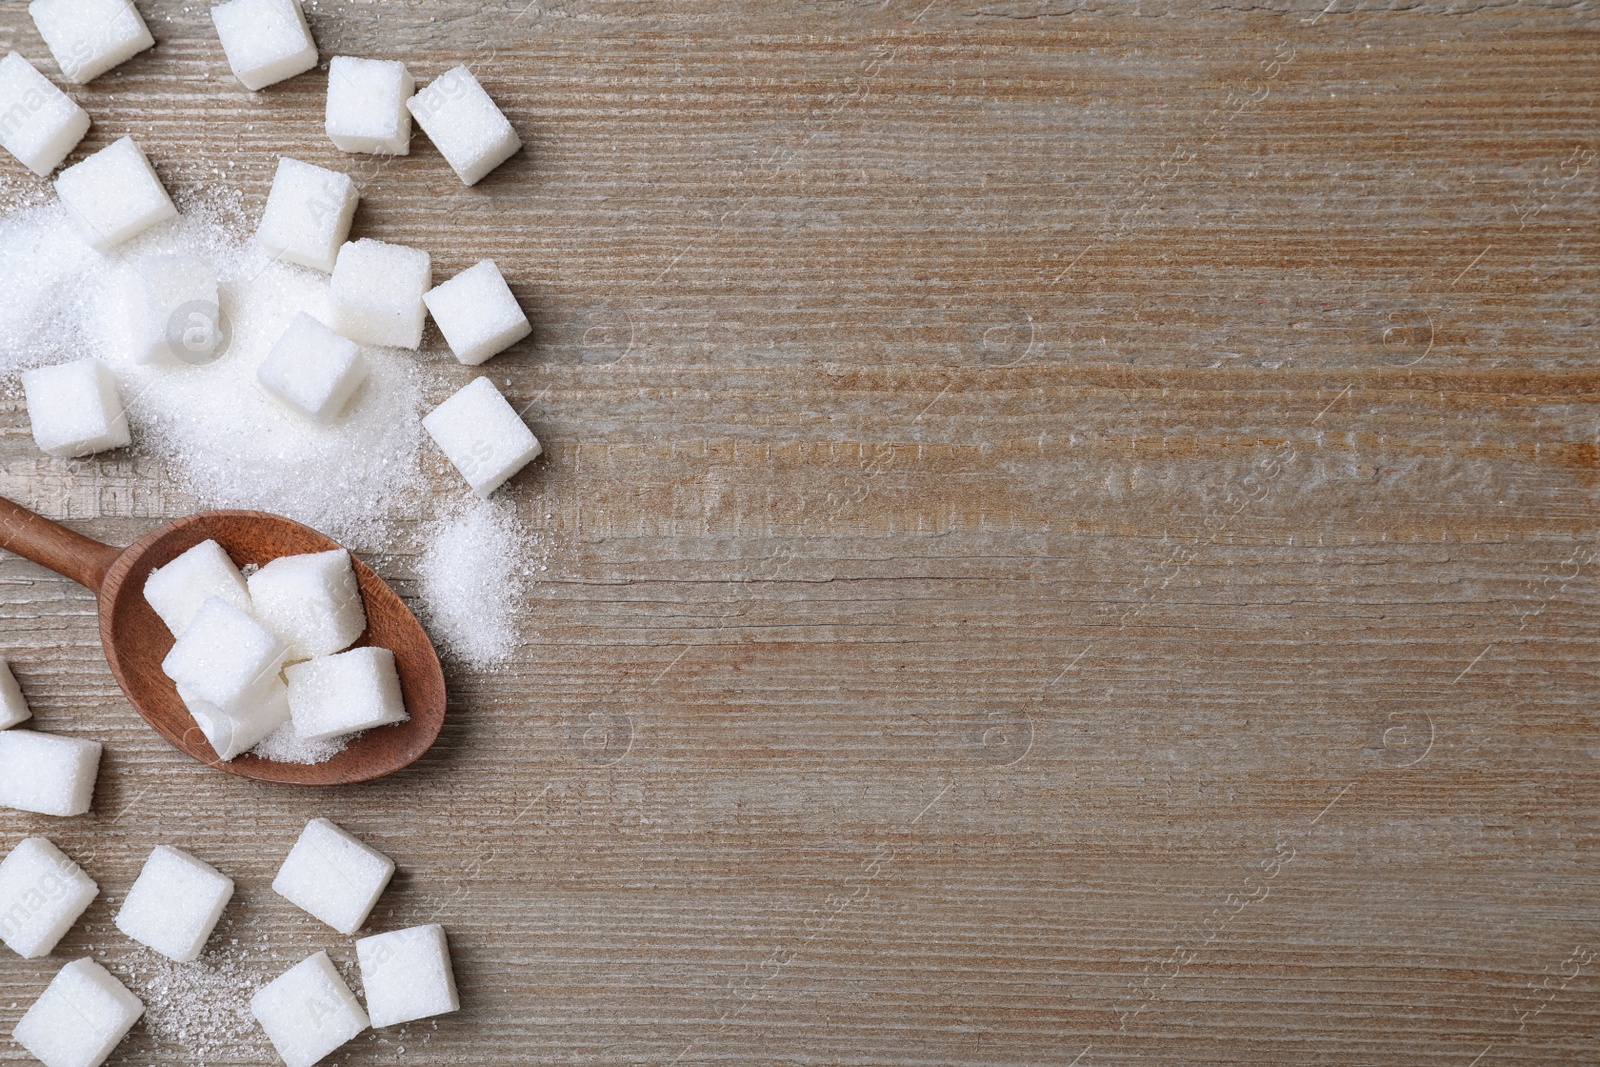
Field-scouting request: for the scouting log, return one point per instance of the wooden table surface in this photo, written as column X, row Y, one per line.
column 1071, row 535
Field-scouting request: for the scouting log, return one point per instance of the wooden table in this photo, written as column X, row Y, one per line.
column 1071, row 537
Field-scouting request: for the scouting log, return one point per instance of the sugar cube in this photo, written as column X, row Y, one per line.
column 224, row 657
column 13, row 705
column 308, row 214
column 114, row 195
column 89, row 37
column 39, row 124
column 308, row 1011
column 175, row 904
column 377, row 293
column 333, row 875
column 335, row 695
column 266, row 41
column 312, row 370
column 242, row 725
column 366, row 109
column 471, row 133
column 172, row 310
column 42, row 893
column 177, row 590
column 81, row 1016
column 406, row 975
column 47, row 773
column 477, row 313
column 480, row 433
column 75, row 408
column 311, row 601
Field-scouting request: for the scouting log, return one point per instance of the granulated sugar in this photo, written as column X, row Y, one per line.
column 222, row 439
column 53, row 283
column 219, row 439
column 284, row 745
column 200, row 1011
column 475, row 570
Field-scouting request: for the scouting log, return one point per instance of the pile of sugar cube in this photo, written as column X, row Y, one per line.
column 381, row 293
column 272, row 651
column 173, row 906
column 267, row 654
column 260, row 658
column 235, row 635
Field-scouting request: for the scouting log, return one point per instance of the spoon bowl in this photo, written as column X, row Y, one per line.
column 136, row 640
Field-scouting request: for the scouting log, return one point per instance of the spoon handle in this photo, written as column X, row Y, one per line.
column 52, row 545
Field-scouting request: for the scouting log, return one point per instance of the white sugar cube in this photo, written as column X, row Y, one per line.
column 172, row 310
column 47, row 773
column 377, row 293
column 75, row 408
column 335, row 695
column 308, row 1011
column 311, row 601
column 81, row 1016
column 39, row 124
column 477, row 313
column 406, row 975
column 42, row 893
column 471, row 133
column 311, row 370
column 89, row 37
column 175, row 904
column 266, row 41
column 482, row 435
column 178, row 590
column 308, row 214
column 333, row 875
column 366, row 109
column 224, row 657
column 114, row 195
column 13, row 705
column 242, row 725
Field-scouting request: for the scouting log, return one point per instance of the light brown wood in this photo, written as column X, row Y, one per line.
column 49, row 544
column 1070, row 533
column 136, row 641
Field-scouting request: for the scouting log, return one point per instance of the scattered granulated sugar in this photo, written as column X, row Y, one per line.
column 221, row 441
column 475, row 572
column 218, row 436
column 199, row 1012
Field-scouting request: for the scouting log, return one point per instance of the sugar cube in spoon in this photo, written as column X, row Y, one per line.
column 311, row 601
column 178, row 589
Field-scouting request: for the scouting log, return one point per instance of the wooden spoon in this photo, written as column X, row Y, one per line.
column 136, row 640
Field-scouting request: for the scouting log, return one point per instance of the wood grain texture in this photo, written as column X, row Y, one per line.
column 1071, row 537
